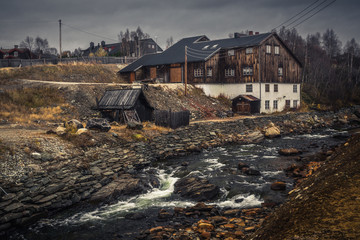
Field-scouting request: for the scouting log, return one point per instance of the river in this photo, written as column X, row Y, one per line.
column 218, row 165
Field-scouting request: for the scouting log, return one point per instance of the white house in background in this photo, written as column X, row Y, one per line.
column 258, row 71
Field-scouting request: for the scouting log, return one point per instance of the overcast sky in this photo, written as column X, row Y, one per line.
column 165, row 18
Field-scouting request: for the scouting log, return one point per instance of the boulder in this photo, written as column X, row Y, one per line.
column 60, row 131
column 254, row 137
column 278, row 186
column 196, row 188
column 98, row 124
column 36, row 155
column 289, row 151
column 272, row 131
column 250, row 171
column 134, row 125
column 242, row 165
column 73, row 123
column 81, row 131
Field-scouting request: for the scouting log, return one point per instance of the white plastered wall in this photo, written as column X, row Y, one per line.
column 232, row 90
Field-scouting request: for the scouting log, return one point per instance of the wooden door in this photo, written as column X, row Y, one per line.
column 243, row 107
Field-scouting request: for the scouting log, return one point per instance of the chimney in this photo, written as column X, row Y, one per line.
column 91, row 45
column 16, row 46
column 256, row 33
column 251, row 33
column 103, row 43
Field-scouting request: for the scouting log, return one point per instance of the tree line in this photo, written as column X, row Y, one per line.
column 331, row 73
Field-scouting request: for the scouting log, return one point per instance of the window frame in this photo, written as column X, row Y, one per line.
column 231, row 52
column 249, row 50
column 249, row 88
column 229, row 72
column 268, row 49
column 267, row 104
column 280, row 71
column 275, row 104
column 276, row 88
column 277, row 50
column 295, row 88
column 198, row 72
column 209, row 72
column 267, row 87
column 248, row 71
column 295, row 103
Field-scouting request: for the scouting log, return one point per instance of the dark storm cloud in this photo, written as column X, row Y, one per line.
column 164, row 18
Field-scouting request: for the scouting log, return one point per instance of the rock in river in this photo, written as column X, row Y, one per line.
column 289, row 151
column 196, row 188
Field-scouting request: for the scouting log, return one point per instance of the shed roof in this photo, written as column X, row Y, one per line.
column 197, row 50
column 249, row 98
column 119, row 99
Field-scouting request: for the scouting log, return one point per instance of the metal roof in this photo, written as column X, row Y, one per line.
column 176, row 53
column 119, row 99
column 249, row 98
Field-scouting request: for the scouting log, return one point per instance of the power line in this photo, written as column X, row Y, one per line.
column 314, row 14
column 306, row 13
column 94, row 34
column 296, row 14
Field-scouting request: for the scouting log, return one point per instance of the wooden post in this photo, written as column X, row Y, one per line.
column 60, row 38
column 185, row 71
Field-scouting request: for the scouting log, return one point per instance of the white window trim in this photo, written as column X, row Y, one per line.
column 267, row 104
column 249, row 88
column 275, row 104
column 295, row 88
column 248, row 71
column 280, row 71
column 249, row 50
column 277, row 50
column 198, row 72
column 209, row 72
column 229, row 72
column 268, row 48
column 231, row 52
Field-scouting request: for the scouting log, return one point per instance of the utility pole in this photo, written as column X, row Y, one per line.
column 60, row 37
column 185, row 70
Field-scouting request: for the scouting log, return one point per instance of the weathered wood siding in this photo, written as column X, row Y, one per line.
column 175, row 73
column 270, row 64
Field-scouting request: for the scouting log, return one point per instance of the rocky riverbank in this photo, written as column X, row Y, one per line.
column 102, row 174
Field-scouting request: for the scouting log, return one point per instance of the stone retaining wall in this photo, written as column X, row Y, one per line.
column 38, row 193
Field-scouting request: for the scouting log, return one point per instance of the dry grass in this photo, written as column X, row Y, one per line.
column 149, row 131
column 27, row 105
column 69, row 72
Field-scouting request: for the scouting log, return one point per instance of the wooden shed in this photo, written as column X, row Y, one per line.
column 119, row 105
column 246, row 104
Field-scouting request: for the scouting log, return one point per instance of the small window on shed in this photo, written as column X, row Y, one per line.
column 231, row 52
column 268, row 49
column 214, row 46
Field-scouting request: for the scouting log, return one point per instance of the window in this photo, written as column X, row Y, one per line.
column 249, row 88
column 277, row 50
column 153, row 46
column 295, row 88
column 209, row 72
column 198, row 72
column 268, row 49
column 280, row 71
column 295, row 103
column 205, row 47
column 287, row 104
column 276, row 88
column 249, row 50
column 267, row 104
column 275, row 104
column 214, row 46
column 16, row 54
column 229, row 72
column 247, row 71
column 231, row 52
column 267, row 87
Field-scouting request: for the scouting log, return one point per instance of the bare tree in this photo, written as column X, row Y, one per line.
column 28, row 43
column 331, row 43
column 41, row 45
column 169, row 42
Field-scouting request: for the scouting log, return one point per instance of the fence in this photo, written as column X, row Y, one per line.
column 171, row 119
column 32, row 62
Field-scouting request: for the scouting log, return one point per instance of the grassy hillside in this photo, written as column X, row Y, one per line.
column 72, row 72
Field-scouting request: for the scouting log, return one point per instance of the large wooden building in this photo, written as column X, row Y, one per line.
column 260, row 65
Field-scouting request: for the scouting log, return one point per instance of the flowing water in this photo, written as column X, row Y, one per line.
column 218, row 165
